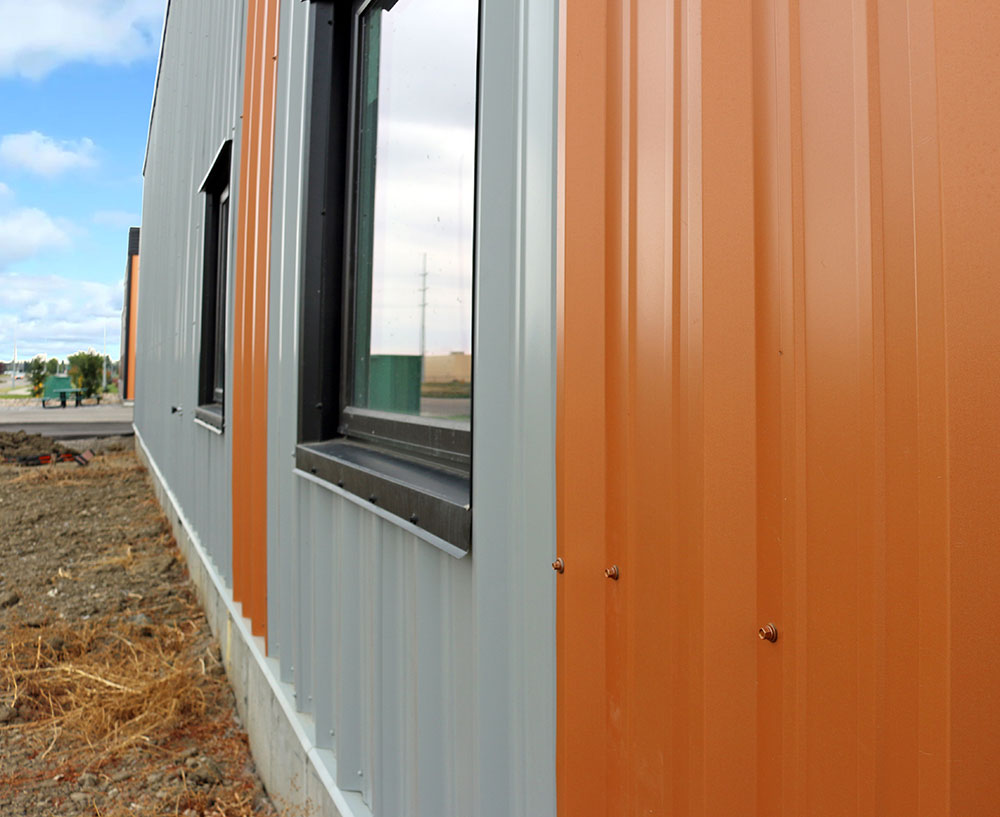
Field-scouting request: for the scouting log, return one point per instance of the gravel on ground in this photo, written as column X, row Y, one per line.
column 113, row 694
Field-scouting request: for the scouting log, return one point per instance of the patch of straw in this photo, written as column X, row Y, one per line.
column 87, row 684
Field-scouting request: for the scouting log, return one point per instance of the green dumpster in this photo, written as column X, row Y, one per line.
column 394, row 383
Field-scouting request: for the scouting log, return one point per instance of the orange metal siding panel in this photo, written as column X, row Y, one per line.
column 679, row 469
column 581, row 775
column 830, row 628
column 932, row 505
column 969, row 123
column 778, row 377
column 133, row 311
column 726, row 379
column 248, row 403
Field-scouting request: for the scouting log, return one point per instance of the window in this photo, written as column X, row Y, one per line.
column 387, row 390
column 212, row 369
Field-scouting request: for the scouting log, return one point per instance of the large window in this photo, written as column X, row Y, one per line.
column 397, row 277
column 212, row 369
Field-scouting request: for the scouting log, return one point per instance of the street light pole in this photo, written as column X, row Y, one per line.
column 423, row 318
column 104, row 357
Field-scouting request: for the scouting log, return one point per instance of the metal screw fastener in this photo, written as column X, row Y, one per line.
column 768, row 633
column 559, row 566
column 612, row 573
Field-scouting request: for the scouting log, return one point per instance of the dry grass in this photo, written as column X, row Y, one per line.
column 104, row 692
column 88, row 684
column 123, row 464
column 115, row 685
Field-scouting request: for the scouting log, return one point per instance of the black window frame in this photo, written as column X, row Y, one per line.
column 215, row 288
column 415, row 468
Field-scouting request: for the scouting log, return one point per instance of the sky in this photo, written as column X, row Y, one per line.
column 425, row 178
column 76, row 83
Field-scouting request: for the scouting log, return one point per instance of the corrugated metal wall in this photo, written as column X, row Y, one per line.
column 779, row 365
column 432, row 678
column 247, row 401
column 197, row 107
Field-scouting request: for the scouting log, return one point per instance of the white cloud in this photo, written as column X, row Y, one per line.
column 5, row 192
column 26, row 231
column 116, row 219
column 57, row 316
column 42, row 154
column 39, row 36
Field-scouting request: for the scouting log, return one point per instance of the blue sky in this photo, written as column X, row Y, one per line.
column 76, row 82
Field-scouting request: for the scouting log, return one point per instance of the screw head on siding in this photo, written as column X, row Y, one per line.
column 559, row 566
column 768, row 633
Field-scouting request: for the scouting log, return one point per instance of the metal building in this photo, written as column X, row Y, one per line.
column 130, row 309
column 692, row 302
column 377, row 660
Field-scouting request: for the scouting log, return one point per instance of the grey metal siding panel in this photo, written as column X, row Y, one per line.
column 437, row 675
column 197, row 107
column 285, row 506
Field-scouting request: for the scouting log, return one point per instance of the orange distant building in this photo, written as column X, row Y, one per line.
column 130, row 311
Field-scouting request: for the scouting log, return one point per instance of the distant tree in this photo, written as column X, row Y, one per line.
column 52, row 366
column 85, row 372
column 36, row 373
column 3, row 367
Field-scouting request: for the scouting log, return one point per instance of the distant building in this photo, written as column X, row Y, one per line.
column 130, row 310
column 453, row 368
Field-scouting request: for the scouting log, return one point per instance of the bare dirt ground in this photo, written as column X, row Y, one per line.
column 113, row 697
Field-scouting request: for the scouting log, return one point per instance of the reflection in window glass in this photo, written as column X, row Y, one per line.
column 415, row 202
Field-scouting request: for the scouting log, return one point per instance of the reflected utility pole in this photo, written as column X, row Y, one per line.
column 423, row 317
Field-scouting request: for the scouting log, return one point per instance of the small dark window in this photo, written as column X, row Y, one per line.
column 212, row 370
column 387, row 393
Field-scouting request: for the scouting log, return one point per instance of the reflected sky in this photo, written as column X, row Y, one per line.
column 425, row 177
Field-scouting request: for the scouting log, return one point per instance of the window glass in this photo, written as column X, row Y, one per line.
column 219, row 373
column 415, row 185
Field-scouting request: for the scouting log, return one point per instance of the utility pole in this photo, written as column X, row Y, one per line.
column 423, row 317
column 104, row 357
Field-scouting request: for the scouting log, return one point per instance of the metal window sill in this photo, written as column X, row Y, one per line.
column 210, row 416
column 433, row 502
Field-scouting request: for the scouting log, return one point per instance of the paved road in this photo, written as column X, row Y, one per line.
column 69, row 423
column 460, row 407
